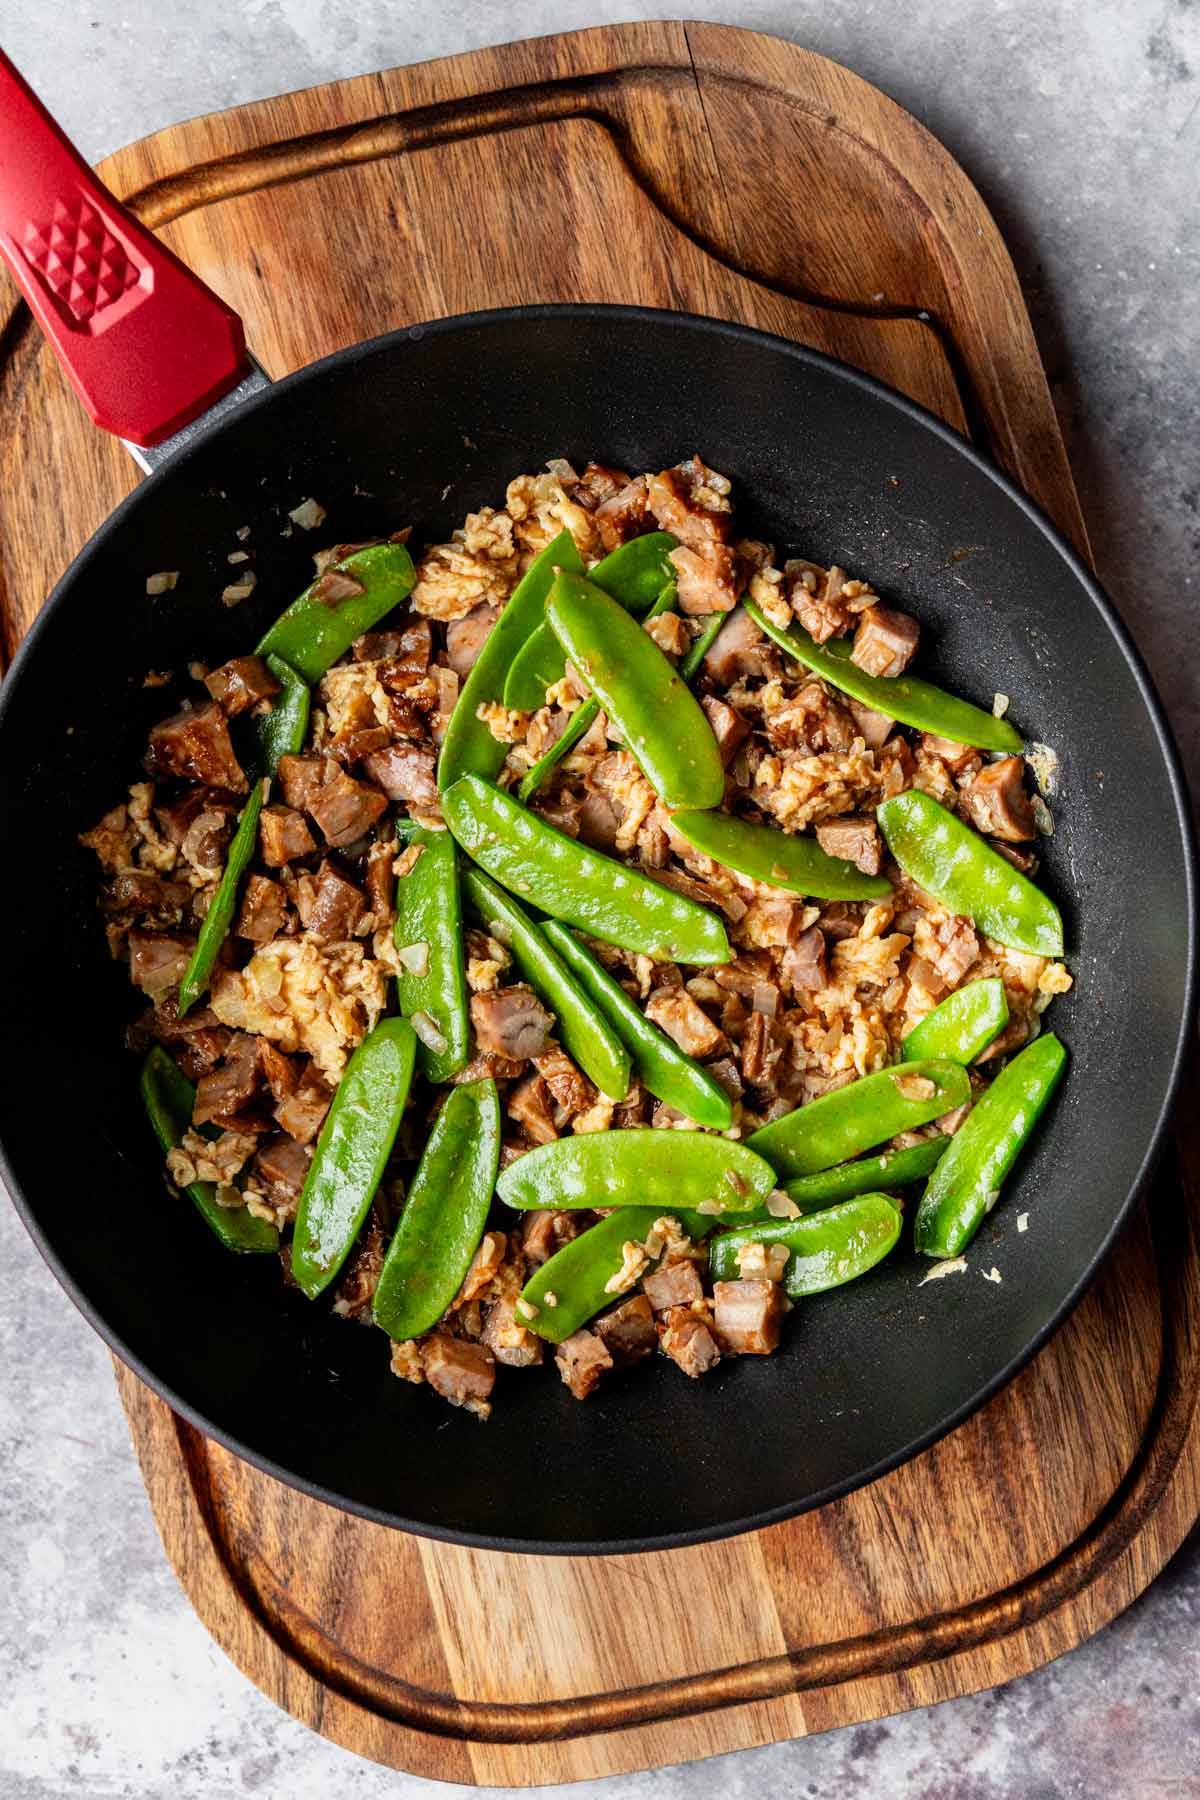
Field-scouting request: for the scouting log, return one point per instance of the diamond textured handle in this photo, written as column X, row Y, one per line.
column 145, row 343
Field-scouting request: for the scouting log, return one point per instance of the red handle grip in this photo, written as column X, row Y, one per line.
column 146, row 345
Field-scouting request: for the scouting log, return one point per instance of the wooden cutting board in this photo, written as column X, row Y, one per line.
column 699, row 167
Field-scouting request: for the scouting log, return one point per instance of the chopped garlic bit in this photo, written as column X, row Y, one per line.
column 634, row 1262
column 953, row 1265
column 309, row 514
column 1043, row 762
column 242, row 533
column 1022, row 1221
column 781, row 1205
column 527, row 1309
column 914, row 1087
column 237, row 556
column 163, row 582
column 415, row 958
column 1000, row 705
column 240, row 589
column 426, row 1028
column 709, row 1206
column 550, row 1298
column 992, row 1274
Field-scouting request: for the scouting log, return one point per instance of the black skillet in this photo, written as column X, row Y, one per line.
column 420, row 427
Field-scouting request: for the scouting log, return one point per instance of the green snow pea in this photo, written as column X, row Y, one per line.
column 663, row 1169
column 578, row 885
column 634, row 575
column 966, row 1183
column 668, row 1072
column 352, row 1151
column 586, row 1034
column 570, row 1288
column 660, row 720
column 444, row 1213
column 961, row 870
column 468, row 746
column 796, row 863
column 690, row 662
column 963, row 1025
column 903, row 697
column 219, row 917
column 168, row 1097
column 277, row 733
column 893, row 1169
column 827, row 1248
column 584, row 715
column 866, row 1112
column 282, row 731
column 312, row 634
column 429, row 912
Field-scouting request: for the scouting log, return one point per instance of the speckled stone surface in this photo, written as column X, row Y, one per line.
column 1080, row 121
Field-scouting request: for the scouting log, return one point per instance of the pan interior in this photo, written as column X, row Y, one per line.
column 418, row 429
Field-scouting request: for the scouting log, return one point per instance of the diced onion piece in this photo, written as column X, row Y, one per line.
column 427, row 1030
column 163, row 582
column 781, row 1205
column 239, row 590
column 1000, row 705
column 415, row 958
column 309, row 514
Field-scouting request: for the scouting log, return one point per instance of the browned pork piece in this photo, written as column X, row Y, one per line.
column 283, row 836
column 542, row 1233
column 335, row 906
column 263, row 910
column 529, row 1105
column 683, row 1019
column 345, row 809
column 674, row 1284
column 622, row 515
column 885, row 642
column 228, row 1088
column 692, row 501
column 855, row 838
column 874, row 728
column 461, row 1372
column 466, row 637
column 194, row 745
column 728, row 727
column 739, row 649
column 569, row 1086
column 405, row 773
column 685, row 1337
column 158, row 961
column 997, row 801
column 803, row 965
column 356, row 1288
column 748, row 1316
column 627, row 1332
column 581, row 1360
column 281, row 1166
column 240, row 684
column 302, row 1112
column 278, row 1070
column 706, row 578
column 511, row 1022
column 815, row 595
column 597, row 484
column 301, row 778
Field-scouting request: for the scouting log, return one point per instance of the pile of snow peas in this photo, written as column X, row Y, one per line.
column 541, row 893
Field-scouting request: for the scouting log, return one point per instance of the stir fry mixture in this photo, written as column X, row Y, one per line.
column 578, row 942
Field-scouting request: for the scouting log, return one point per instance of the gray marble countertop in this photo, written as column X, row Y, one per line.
column 1080, row 122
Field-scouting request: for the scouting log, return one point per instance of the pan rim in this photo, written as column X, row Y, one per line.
column 920, row 416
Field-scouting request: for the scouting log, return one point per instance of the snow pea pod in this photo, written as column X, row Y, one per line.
column 663, row 1169
column 312, row 633
column 962, row 871
column 219, row 917
column 586, row 1034
column 966, row 1183
column 584, row 715
column 168, row 1097
column 796, row 863
column 571, row 1287
column 893, row 1169
column 660, row 720
column 429, row 913
column 903, row 697
column 634, row 574
column 468, row 746
column 866, row 1112
column 569, row 881
column 277, row 733
column 444, row 1214
column 690, row 662
column 667, row 1071
column 827, row 1248
column 352, row 1151
column 963, row 1025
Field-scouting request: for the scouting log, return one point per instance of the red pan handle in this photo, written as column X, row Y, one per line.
column 146, row 345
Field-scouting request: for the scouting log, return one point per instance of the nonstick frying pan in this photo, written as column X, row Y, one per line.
column 419, row 427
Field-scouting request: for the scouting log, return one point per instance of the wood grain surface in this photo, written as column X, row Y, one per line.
column 697, row 167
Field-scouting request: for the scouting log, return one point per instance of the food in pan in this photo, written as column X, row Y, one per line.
column 582, row 939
